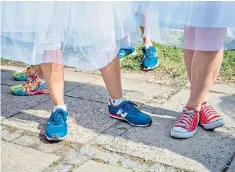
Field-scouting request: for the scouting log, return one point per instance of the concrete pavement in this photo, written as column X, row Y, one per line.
column 99, row 143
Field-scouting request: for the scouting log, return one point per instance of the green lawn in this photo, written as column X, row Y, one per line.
column 171, row 60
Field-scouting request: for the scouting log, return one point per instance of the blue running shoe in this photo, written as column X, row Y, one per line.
column 57, row 127
column 125, row 52
column 150, row 60
column 128, row 111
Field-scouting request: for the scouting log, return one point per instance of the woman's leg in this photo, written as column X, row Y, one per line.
column 118, row 107
column 56, row 128
column 204, row 68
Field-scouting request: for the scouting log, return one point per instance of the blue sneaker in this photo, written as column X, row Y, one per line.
column 125, row 52
column 57, row 127
column 128, row 111
column 150, row 60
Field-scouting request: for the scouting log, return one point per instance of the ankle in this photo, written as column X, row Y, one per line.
column 42, row 81
column 147, row 44
column 116, row 102
column 64, row 107
column 194, row 106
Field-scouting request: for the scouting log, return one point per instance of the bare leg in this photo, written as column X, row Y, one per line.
column 54, row 76
column 145, row 40
column 188, row 57
column 39, row 72
column 112, row 78
column 205, row 68
column 124, row 110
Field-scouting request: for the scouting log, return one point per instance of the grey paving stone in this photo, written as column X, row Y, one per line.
column 222, row 88
column 118, row 129
column 25, row 141
column 3, row 127
column 232, row 166
column 88, row 150
column 206, row 151
column 62, row 168
column 103, row 139
column 90, row 166
column 80, row 77
column 139, row 92
column 111, row 158
column 161, row 168
column 6, row 76
column 15, row 104
column 32, row 161
column 86, row 119
column 76, row 158
column 40, row 144
column 135, row 165
column 8, row 136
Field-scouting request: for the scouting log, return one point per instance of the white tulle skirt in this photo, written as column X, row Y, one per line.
column 87, row 35
column 206, row 26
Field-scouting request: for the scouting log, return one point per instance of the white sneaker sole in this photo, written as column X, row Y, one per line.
column 55, row 138
column 182, row 135
column 214, row 124
column 123, row 119
column 151, row 68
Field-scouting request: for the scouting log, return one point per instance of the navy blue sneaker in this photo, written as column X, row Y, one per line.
column 150, row 60
column 125, row 52
column 128, row 111
column 57, row 127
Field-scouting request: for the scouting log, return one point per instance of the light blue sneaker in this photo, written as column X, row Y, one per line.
column 57, row 127
column 123, row 52
column 128, row 111
column 150, row 60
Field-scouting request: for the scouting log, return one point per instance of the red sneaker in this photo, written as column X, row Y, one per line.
column 210, row 119
column 186, row 124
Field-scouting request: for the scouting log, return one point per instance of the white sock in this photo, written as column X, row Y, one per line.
column 147, row 45
column 64, row 107
column 116, row 102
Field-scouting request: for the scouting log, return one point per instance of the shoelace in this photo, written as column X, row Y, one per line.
column 185, row 118
column 30, row 80
column 57, row 117
column 149, row 53
column 130, row 106
column 208, row 111
column 29, row 83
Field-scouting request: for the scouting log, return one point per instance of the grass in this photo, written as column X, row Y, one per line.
column 171, row 60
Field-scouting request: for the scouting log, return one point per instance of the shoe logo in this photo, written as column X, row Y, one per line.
column 120, row 112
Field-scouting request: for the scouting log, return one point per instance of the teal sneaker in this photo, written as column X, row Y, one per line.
column 57, row 127
column 150, row 60
column 123, row 52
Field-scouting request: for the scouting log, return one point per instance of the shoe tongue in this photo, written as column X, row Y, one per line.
column 205, row 104
column 187, row 108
